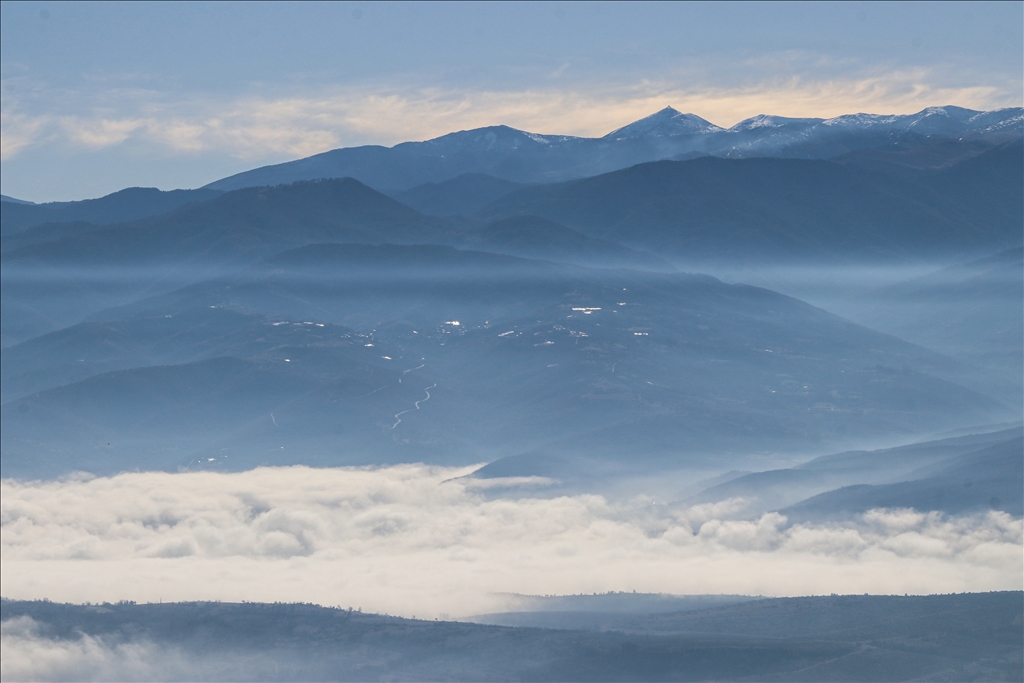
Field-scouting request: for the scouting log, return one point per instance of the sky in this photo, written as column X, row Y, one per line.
column 101, row 96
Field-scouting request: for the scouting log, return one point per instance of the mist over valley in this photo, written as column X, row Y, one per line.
column 591, row 408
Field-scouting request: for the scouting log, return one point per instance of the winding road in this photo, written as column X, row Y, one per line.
column 416, row 406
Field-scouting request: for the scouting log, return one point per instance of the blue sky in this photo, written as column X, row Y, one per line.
column 100, row 96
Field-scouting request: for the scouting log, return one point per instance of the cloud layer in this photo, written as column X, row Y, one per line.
column 265, row 128
column 415, row 540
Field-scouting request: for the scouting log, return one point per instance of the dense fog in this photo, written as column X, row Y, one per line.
column 419, row 540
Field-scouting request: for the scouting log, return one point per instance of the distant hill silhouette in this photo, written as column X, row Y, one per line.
column 990, row 478
column 125, row 205
column 970, row 310
column 246, row 225
column 855, row 481
column 14, row 200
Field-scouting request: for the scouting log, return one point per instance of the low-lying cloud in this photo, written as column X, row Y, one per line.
column 417, row 540
column 28, row 656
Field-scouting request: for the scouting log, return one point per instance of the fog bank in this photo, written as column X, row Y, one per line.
column 29, row 655
column 416, row 540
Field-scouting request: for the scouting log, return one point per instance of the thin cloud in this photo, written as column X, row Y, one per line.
column 262, row 128
column 414, row 539
column 98, row 133
column 20, row 132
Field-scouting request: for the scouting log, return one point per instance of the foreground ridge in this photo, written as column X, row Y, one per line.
column 971, row 636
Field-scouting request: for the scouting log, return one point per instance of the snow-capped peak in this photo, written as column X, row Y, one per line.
column 665, row 123
column 769, row 121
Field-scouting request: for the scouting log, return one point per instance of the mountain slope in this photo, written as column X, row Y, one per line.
column 93, row 348
column 883, row 470
column 462, row 195
column 991, row 478
column 210, row 413
column 769, row 209
column 602, row 371
column 909, row 157
column 14, row 200
column 535, row 237
column 973, row 311
column 126, row 205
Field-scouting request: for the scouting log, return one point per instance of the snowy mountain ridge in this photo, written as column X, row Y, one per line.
column 526, row 157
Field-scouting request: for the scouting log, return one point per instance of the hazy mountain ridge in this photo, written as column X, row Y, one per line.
column 767, row 209
column 632, row 368
column 224, row 234
column 754, row 616
column 93, row 348
column 970, row 310
column 14, row 200
column 733, row 216
column 787, row 209
column 70, row 273
column 125, row 205
column 247, row 225
column 954, row 475
column 989, row 478
column 46, row 232
column 210, row 413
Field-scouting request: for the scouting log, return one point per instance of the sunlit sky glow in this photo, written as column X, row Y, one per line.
column 97, row 97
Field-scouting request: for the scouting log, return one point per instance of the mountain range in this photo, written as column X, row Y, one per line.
column 537, row 303
column 523, row 157
column 707, row 208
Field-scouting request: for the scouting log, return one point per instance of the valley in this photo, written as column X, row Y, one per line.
column 709, row 364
